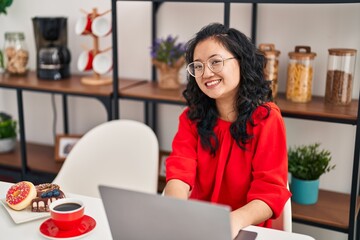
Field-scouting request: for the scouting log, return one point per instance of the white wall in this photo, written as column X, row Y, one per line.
column 319, row 26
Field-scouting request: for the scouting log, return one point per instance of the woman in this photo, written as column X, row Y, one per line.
column 230, row 147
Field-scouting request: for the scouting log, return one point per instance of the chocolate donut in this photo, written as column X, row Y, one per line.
column 46, row 194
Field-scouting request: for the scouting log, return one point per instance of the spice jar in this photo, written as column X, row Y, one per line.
column 15, row 53
column 271, row 70
column 340, row 75
column 300, row 74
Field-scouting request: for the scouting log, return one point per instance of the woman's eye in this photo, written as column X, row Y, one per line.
column 198, row 67
column 215, row 62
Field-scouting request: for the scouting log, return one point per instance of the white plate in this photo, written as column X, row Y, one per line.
column 25, row 215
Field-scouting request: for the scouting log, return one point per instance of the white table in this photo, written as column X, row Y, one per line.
column 30, row 230
column 94, row 208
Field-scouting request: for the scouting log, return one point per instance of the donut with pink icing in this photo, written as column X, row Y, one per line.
column 20, row 195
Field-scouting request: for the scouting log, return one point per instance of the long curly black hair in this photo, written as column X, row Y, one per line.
column 253, row 90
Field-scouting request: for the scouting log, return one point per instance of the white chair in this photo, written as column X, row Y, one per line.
column 284, row 221
column 118, row 153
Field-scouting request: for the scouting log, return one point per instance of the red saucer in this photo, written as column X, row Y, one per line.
column 49, row 230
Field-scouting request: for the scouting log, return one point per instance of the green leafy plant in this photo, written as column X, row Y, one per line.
column 7, row 126
column 4, row 4
column 308, row 162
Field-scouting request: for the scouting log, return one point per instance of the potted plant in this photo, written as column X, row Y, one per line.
column 306, row 164
column 168, row 58
column 7, row 132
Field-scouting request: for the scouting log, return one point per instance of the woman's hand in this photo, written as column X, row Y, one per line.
column 235, row 225
column 253, row 213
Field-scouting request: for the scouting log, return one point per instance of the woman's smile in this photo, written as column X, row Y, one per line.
column 212, row 83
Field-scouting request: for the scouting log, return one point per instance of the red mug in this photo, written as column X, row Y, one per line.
column 85, row 61
column 67, row 213
column 83, row 25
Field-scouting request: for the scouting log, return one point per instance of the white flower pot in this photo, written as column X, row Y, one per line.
column 7, row 144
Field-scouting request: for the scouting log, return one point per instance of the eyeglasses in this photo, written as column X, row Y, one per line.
column 215, row 64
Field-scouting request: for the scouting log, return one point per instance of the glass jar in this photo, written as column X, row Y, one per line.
column 300, row 74
column 16, row 54
column 340, row 75
column 271, row 70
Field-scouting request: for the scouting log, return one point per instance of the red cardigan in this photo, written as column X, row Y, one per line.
column 234, row 176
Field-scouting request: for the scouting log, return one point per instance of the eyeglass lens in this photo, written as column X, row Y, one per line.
column 197, row 68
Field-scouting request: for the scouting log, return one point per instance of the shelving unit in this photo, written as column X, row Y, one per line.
column 35, row 162
column 334, row 211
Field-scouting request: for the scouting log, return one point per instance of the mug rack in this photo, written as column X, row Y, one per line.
column 86, row 28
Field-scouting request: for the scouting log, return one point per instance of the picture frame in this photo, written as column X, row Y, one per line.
column 162, row 168
column 63, row 145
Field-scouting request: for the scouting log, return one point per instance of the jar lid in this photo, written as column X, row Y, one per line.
column 342, row 51
column 14, row 35
column 302, row 52
column 269, row 49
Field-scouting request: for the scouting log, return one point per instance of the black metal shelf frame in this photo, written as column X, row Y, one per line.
column 151, row 110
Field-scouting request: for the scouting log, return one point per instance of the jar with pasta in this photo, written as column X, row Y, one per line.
column 271, row 70
column 300, row 74
column 15, row 53
column 340, row 75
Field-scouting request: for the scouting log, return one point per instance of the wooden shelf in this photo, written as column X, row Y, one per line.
column 149, row 91
column 332, row 209
column 72, row 85
column 317, row 109
column 40, row 158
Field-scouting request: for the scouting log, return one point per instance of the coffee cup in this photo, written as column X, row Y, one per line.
column 102, row 63
column 101, row 26
column 85, row 61
column 83, row 25
column 67, row 213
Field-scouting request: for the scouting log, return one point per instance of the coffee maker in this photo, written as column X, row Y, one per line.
column 52, row 55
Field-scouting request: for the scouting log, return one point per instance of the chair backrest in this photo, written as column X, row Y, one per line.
column 118, row 153
column 284, row 221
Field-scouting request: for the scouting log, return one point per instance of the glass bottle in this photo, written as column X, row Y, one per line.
column 271, row 70
column 300, row 74
column 340, row 75
column 16, row 54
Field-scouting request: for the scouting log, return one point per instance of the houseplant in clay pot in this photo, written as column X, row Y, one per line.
column 306, row 164
column 168, row 58
column 7, row 133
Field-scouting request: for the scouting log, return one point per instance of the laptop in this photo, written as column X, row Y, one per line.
column 136, row 215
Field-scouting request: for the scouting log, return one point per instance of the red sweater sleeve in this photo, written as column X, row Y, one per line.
column 181, row 164
column 269, row 163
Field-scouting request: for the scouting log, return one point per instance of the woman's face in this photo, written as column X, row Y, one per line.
column 221, row 85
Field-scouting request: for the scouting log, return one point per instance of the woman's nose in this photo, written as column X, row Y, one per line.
column 207, row 72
